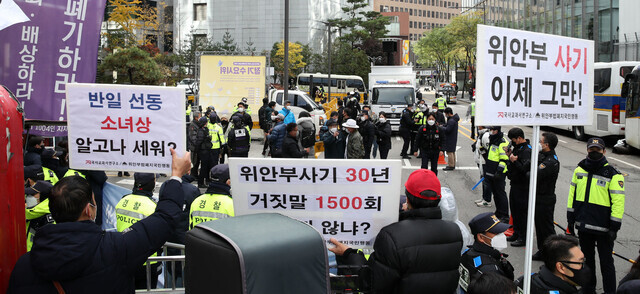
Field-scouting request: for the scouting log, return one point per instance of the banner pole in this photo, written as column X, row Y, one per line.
column 532, row 208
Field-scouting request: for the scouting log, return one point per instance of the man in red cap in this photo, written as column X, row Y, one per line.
column 419, row 253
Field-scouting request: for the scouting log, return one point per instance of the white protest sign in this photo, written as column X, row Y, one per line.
column 350, row 200
column 124, row 128
column 526, row 78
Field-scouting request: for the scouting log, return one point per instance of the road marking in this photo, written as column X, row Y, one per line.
column 461, row 132
column 458, row 148
column 629, row 164
column 562, row 141
column 406, row 162
column 457, row 167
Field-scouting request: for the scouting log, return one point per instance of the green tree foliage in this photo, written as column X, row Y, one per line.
column 296, row 60
column 228, row 44
column 362, row 29
column 350, row 61
column 133, row 65
column 434, row 49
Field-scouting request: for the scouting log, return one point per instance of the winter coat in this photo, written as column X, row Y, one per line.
column 277, row 136
column 192, row 133
column 191, row 192
column 406, row 121
column 355, row 148
column 291, row 148
column 518, row 171
column 429, row 138
column 32, row 157
column 289, row 116
column 383, row 134
column 333, row 146
column 86, row 259
column 368, row 132
column 306, row 123
column 246, row 119
column 545, row 282
column 203, row 138
column 419, row 252
column 451, row 134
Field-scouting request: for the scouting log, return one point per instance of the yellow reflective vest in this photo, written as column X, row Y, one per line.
column 596, row 199
column 49, row 176
column 442, row 103
column 133, row 208
column 73, row 172
column 497, row 159
column 209, row 207
column 217, row 135
column 37, row 217
column 473, row 109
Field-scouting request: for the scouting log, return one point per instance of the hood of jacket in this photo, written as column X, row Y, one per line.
column 65, row 251
column 306, row 122
column 455, row 117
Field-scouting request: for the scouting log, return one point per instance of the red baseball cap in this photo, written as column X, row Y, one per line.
column 422, row 180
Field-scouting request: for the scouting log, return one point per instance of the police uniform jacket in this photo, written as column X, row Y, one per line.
column 429, row 138
column 86, row 259
column 545, row 282
column 519, row 170
column 406, row 121
column 596, row 197
column 548, row 169
column 383, row 134
column 419, row 253
column 481, row 259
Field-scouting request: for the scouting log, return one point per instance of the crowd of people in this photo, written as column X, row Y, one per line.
column 420, row 251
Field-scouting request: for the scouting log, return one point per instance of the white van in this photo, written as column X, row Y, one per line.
column 300, row 101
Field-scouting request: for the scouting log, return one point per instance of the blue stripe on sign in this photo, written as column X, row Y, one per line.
column 477, row 261
column 607, row 102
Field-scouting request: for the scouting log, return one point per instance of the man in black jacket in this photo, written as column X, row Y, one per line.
column 518, row 168
column 290, row 146
column 202, row 146
column 548, row 169
column 34, row 149
column 484, row 255
column 406, row 125
column 418, row 254
column 563, row 268
column 368, row 132
column 191, row 142
column 77, row 255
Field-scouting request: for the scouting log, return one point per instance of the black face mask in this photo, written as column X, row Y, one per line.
column 581, row 276
column 595, row 155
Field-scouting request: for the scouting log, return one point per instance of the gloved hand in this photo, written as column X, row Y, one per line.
column 613, row 235
column 473, row 147
column 571, row 229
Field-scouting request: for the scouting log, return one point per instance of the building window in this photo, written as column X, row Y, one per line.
column 168, row 42
column 419, row 25
column 381, row 8
column 168, row 14
column 200, row 38
column 410, row 11
column 200, row 11
column 411, row 25
column 449, row 16
column 428, row 13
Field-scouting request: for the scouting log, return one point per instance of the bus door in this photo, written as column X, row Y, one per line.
column 342, row 88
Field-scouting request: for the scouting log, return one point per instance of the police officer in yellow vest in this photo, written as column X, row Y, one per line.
column 471, row 111
column 442, row 102
column 216, row 202
column 39, row 215
column 247, row 109
column 73, row 172
column 218, row 140
column 595, row 207
column 135, row 207
column 495, row 170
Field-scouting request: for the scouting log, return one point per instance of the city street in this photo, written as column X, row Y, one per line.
column 570, row 151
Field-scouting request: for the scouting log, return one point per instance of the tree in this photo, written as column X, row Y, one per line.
column 463, row 30
column 228, row 44
column 434, row 49
column 250, row 48
column 133, row 65
column 296, row 62
column 134, row 20
column 364, row 28
column 350, row 61
column 188, row 53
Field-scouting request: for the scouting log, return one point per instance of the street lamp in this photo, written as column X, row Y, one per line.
column 285, row 80
column 329, row 26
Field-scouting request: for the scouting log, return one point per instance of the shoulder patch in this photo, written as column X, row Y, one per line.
column 555, row 156
column 621, row 183
column 477, row 261
column 542, row 166
column 554, row 292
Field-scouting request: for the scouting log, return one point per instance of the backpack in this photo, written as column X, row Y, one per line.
column 307, row 138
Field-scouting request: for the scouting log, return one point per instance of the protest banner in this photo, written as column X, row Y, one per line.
column 526, row 78
column 124, row 128
column 225, row 80
column 45, row 45
column 350, row 200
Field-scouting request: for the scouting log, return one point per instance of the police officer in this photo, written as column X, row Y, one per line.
column 471, row 112
column 548, row 169
column 595, row 207
column 495, row 169
column 429, row 140
column 38, row 216
column 203, row 146
column 216, row 202
column 244, row 105
column 135, row 207
column 217, row 138
column 238, row 138
column 484, row 255
column 442, row 102
column 519, row 167
column 406, row 125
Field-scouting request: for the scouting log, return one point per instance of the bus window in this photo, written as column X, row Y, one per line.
column 303, row 81
column 341, row 84
column 602, row 80
column 357, row 84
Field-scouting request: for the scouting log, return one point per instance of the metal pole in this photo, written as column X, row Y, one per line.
column 532, row 208
column 285, row 78
column 329, row 71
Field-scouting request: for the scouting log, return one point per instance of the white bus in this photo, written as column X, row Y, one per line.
column 608, row 106
column 341, row 85
column 632, row 87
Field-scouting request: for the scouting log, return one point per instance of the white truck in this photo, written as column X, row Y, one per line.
column 391, row 89
column 300, row 101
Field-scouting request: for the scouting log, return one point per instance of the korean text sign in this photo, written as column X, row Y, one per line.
column 350, row 200
column 224, row 80
column 526, row 78
column 53, row 43
column 123, row 127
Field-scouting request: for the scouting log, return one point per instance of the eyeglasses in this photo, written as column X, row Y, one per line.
column 581, row 263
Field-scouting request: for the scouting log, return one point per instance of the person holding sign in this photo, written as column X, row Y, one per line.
column 419, row 253
column 596, row 206
column 77, row 255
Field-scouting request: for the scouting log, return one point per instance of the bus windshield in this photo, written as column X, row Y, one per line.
column 393, row 96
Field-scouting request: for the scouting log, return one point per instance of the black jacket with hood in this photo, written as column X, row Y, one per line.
column 85, row 259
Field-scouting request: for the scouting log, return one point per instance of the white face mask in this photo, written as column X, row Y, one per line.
column 382, row 120
column 273, row 117
column 431, row 122
column 540, row 147
column 333, row 130
column 499, row 242
column 240, row 109
column 362, row 118
column 287, row 107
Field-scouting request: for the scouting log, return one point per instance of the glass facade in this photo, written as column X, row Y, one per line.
column 596, row 20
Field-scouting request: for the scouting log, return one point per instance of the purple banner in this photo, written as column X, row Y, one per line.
column 44, row 45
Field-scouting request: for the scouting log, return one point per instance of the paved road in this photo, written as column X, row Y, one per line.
column 466, row 174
